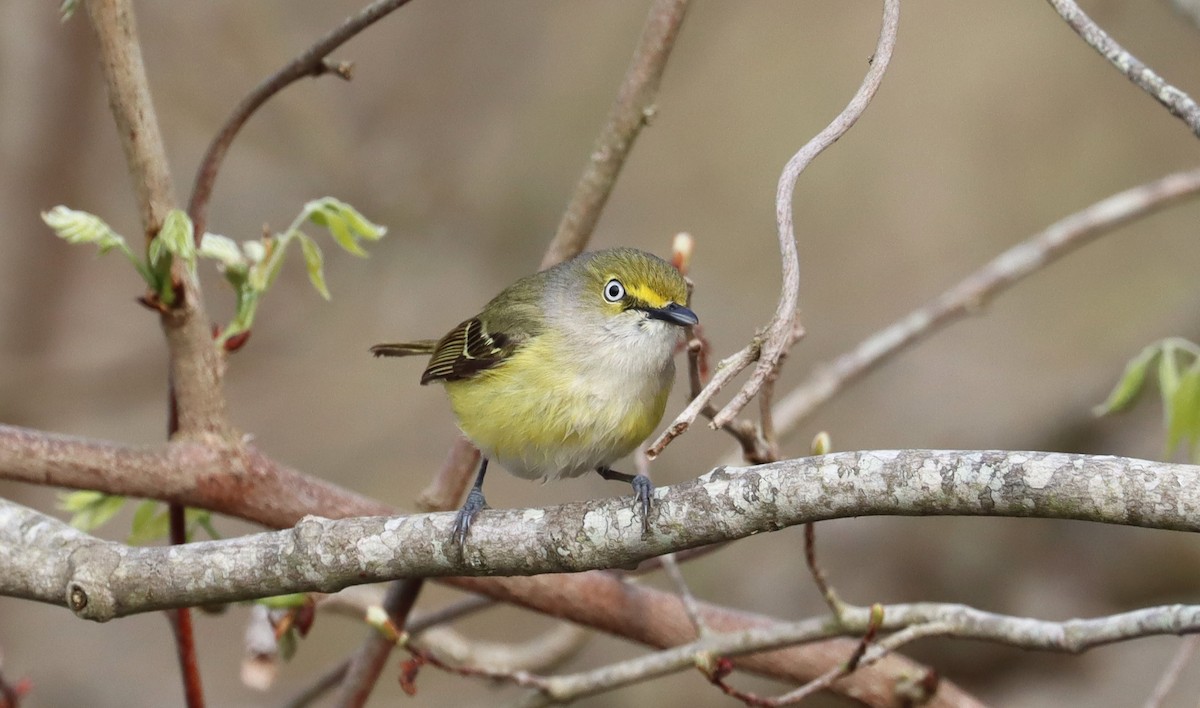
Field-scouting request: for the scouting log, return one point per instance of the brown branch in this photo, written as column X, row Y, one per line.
column 971, row 293
column 261, row 491
column 781, row 332
column 194, row 361
column 1177, row 102
column 632, row 110
column 312, row 62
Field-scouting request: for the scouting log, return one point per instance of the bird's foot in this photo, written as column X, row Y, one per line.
column 466, row 515
column 643, row 493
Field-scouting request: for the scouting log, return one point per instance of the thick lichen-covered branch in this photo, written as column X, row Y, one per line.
column 51, row 562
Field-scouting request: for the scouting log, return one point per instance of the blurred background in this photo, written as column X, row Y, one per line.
column 464, row 131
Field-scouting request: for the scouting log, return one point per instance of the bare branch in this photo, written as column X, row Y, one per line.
column 261, row 490
column 781, row 332
column 239, row 481
column 971, row 293
column 631, row 111
column 1177, row 102
column 101, row 580
column 549, row 649
column 312, row 62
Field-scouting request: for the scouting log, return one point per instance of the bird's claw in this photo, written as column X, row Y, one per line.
column 466, row 515
column 643, row 493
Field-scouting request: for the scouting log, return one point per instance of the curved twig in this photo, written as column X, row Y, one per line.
column 310, row 63
column 782, row 330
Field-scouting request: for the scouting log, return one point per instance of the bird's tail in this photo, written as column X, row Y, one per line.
column 421, row 346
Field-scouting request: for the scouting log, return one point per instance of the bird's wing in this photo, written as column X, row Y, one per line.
column 467, row 350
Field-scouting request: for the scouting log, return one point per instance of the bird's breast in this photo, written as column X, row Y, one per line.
column 560, row 407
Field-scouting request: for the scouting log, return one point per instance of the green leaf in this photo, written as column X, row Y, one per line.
column 155, row 253
column 1132, row 381
column 1168, row 379
column 315, row 262
column 1184, row 411
column 151, row 521
column 67, row 8
column 224, row 251
column 81, row 227
column 178, row 237
column 345, row 223
column 91, row 509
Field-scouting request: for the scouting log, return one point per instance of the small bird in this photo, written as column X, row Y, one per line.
column 565, row 371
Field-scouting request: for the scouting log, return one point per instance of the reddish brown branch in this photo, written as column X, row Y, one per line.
column 312, row 62
column 247, row 484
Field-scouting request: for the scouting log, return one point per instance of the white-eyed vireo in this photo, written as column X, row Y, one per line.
column 565, row 371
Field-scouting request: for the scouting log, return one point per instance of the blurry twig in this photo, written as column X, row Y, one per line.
column 357, row 603
column 857, row 659
column 818, row 574
column 372, row 654
column 1171, row 675
column 1177, row 102
column 632, row 110
column 773, row 342
column 312, row 62
column 971, row 293
column 864, row 656
column 542, row 653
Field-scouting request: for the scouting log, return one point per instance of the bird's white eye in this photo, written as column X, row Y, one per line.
column 614, row 291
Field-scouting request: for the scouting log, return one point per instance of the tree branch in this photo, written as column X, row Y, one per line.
column 1177, row 102
column 974, row 291
column 101, row 580
column 779, row 334
column 632, row 110
column 194, row 361
column 274, row 495
column 312, row 62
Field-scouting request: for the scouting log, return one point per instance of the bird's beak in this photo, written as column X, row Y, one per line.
column 675, row 314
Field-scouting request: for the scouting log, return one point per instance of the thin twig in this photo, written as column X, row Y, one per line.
column 685, row 595
column 326, row 682
column 1177, row 102
column 369, row 660
column 181, row 624
column 770, row 346
column 631, row 111
column 971, row 293
column 1171, row 674
column 781, row 332
column 865, row 658
column 836, row 606
column 544, row 652
column 312, row 62
column 336, row 675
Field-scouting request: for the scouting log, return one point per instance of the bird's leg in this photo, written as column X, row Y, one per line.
column 643, row 489
column 471, row 507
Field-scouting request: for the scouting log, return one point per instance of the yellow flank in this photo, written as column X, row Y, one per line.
column 542, row 421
